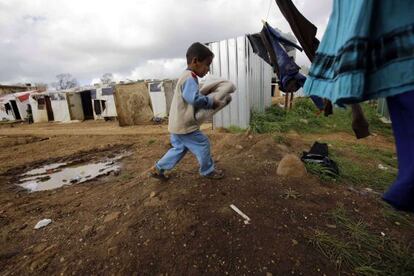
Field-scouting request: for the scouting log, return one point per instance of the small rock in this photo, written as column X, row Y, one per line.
column 304, row 121
column 295, row 242
column 291, row 166
column 153, row 194
column 269, row 274
column 112, row 216
column 240, row 147
column 333, row 226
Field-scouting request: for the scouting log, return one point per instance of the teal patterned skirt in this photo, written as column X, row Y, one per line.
column 367, row 52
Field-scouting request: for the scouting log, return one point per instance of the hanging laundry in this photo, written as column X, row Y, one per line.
column 303, row 29
column 288, row 71
column 305, row 32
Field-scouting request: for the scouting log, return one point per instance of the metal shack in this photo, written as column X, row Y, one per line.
column 234, row 60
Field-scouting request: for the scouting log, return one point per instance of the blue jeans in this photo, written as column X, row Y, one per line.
column 197, row 143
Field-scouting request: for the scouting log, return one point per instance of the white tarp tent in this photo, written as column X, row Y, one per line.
column 14, row 106
column 103, row 103
column 60, row 106
column 39, row 107
column 6, row 111
column 158, row 100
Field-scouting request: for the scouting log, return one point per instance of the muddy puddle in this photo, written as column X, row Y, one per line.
column 53, row 176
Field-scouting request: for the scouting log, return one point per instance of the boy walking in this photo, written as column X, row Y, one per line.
column 185, row 131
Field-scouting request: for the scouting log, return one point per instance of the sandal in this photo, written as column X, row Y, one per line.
column 216, row 174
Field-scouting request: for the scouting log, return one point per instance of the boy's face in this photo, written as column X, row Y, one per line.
column 201, row 68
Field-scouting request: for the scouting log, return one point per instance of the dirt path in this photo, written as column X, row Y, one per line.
column 131, row 224
column 84, row 128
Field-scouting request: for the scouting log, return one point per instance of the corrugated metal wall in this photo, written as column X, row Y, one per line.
column 234, row 60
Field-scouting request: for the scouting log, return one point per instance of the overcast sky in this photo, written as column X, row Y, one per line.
column 132, row 39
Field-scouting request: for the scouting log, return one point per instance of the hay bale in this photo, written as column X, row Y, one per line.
column 133, row 104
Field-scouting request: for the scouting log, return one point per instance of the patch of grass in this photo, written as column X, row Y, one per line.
column 236, row 129
column 290, row 194
column 281, row 139
column 303, row 119
column 363, row 170
column 397, row 217
column 361, row 250
column 322, row 172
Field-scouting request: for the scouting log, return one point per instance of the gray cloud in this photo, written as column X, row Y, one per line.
column 42, row 38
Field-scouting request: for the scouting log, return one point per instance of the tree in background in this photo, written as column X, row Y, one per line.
column 107, row 78
column 65, row 81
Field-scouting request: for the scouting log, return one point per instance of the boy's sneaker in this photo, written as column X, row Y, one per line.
column 154, row 172
column 216, row 174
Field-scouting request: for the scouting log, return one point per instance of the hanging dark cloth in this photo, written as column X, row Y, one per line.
column 285, row 68
column 259, row 48
column 305, row 32
column 303, row 29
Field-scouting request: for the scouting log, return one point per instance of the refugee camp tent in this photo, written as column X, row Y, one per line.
column 80, row 103
column 133, row 103
column 6, row 110
column 103, row 103
column 41, row 107
column 14, row 106
column 169, row 87
column 60, row 106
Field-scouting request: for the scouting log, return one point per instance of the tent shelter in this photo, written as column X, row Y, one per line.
column 14, row 106
column 60, row 106
column 103, row 103
column 79, row 101
column 41, row 107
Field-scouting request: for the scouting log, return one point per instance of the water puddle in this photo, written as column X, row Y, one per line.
column 56, row 175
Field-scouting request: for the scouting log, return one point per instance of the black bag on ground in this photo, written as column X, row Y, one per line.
column 319, row 154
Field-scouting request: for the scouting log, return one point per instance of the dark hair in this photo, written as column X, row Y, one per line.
column 199, row 51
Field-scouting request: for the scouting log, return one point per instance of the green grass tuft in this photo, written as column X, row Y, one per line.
column 303, row 119
column 361, row 250
column 322, row 172
column 236, row 129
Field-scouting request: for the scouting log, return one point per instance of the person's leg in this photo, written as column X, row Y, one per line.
column 199, row 145
column 173, row 155
column 401, row 193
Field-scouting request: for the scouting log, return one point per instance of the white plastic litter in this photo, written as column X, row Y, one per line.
column 237, row 210
column 382, row 167
column 42, row 223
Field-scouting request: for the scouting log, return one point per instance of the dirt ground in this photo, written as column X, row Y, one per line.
column 127, row 223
